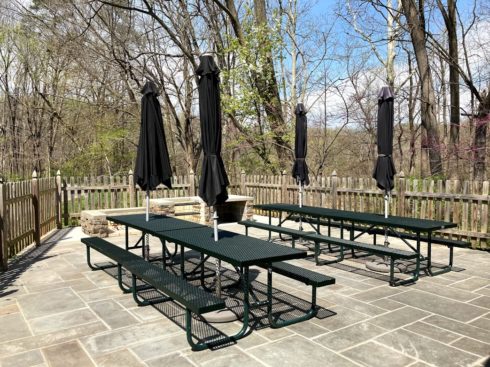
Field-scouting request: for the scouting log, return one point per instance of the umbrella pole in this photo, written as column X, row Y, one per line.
column 300, row 193
column 146, row 245
column 386, row 216
column 218, row 262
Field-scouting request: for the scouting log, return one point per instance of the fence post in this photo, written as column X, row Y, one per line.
column 131, row 188
column 192, row 183
column 3, row 227
column 284, row 187
column 243, row 188
column 401, row 194
column 112, row 193
column 35, row 206
column 58, row 199
column 333, row 193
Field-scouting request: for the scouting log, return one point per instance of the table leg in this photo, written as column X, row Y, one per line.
column 277, row 323
column 351, row 237
column 270, row 223
column 182, row 261
column 240, row 334
column 126, row 237
column 429, row 251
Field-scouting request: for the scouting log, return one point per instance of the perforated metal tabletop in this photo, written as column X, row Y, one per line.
column 156, row 223
column 411, row 224
column 234, row 248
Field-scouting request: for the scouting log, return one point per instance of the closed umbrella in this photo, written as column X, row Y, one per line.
column 384, row 171
column 214, row 180
column 300, row 168
column 152, row 160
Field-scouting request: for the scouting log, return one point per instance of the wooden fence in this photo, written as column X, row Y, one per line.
column 464, row 203
column 103, row 192
column 30, row 209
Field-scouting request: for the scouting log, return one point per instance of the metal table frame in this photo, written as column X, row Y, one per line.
column 372, row 220
column 201, row 239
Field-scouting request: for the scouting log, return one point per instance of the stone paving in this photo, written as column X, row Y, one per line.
column 55, row 311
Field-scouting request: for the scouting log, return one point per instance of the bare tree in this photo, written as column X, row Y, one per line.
column 414, row 13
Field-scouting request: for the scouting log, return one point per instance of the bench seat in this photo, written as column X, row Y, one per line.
column 194, row 299
column 392, row 253
column 294, row 233
column 437, row 239
column 300, row 274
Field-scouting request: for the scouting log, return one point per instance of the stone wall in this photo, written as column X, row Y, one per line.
column 95, row 223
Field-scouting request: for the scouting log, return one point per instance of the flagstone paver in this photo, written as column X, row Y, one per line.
column 483, row 301
column 298, row 351
column 112, row 313
column 97, row 345
column 13, row 327
column 26, row 359
column 159, row 347
column 120, row 358
column 68, row 354
column 224, row 358
column 482, row 323
column 426, row 349
column 460, row 328
column 433, row 332
column 50, row 302
column 349, row 336
column 373, row 355
column 59, row 321
column 57, row 312
column 471, row 284
column 174, row 360
column 387, row 304
column 440, row 305
column 473, row 346
column 447, row 291
column 399, row 317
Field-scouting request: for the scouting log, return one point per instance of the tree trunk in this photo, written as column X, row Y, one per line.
column 416, row 23
column 449, row 16
column 268, row 88
column 480, row 139
column 390, row 56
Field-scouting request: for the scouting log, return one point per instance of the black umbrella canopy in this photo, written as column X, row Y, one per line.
column 152, row 160
column 214, row 180
column 385, row 169
column 300, row 168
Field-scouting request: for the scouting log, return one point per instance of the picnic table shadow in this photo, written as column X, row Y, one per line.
column 361, row 257
column 285, row 306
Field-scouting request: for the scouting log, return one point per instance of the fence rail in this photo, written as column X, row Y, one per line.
column 30, row 209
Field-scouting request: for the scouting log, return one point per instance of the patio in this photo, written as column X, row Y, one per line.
column 55, row 311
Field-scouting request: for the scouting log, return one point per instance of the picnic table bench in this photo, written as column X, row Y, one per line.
column 317, row 239
column 300, row 274
column 238, row 250
column 194, row 299
column 422, row 228
column 434, row 239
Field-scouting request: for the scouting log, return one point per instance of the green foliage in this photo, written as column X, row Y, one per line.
column 259, row 43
